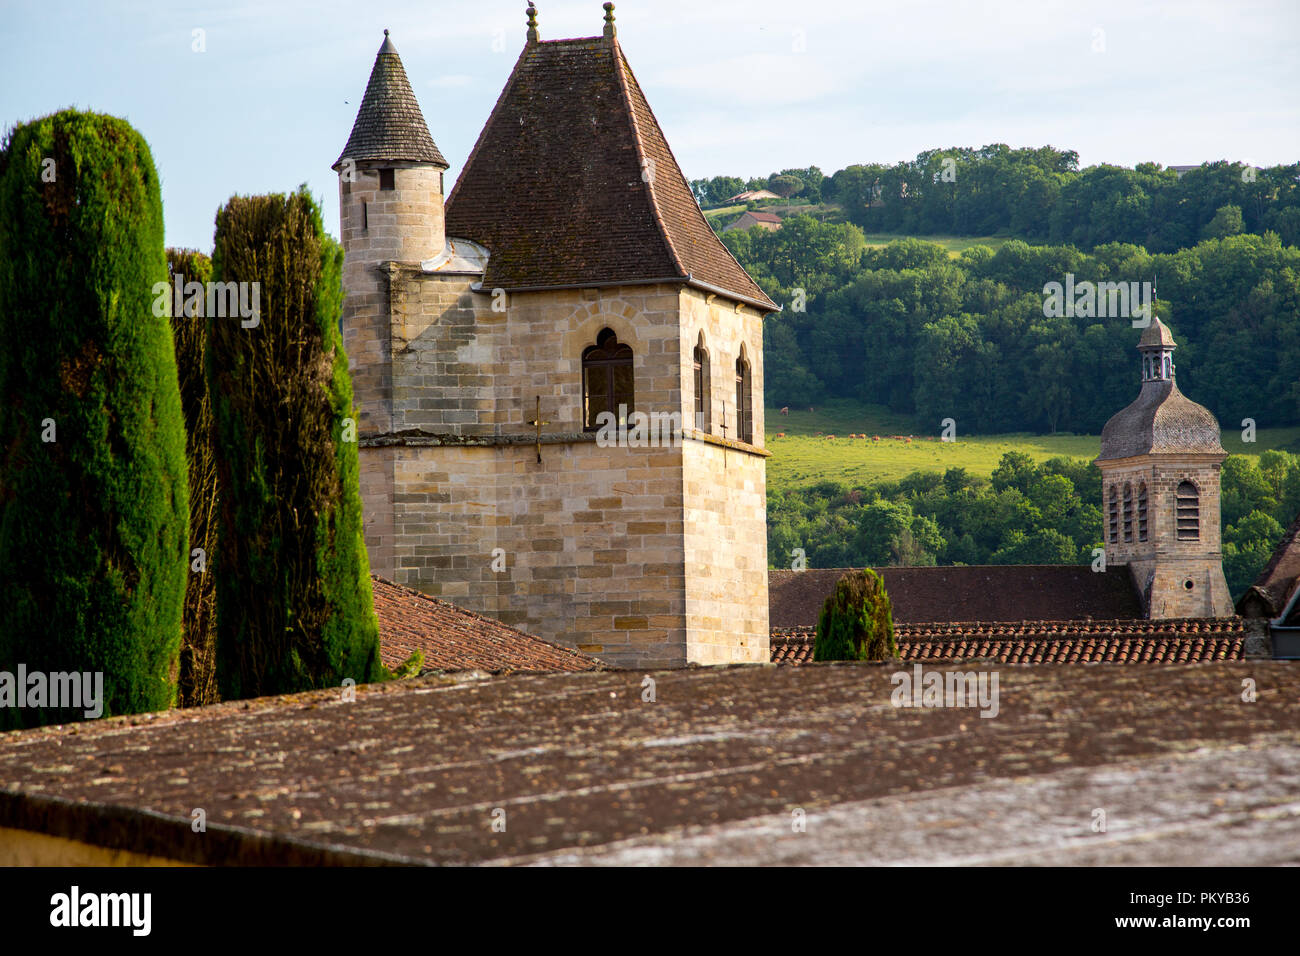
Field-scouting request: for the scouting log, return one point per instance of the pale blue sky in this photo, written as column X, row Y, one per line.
column 741, row 87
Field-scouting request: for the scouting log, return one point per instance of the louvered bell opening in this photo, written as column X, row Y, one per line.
column 1188, row 508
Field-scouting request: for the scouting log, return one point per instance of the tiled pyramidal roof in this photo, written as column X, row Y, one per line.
column 1190, row 641
column 454, row 639
column 389, row 124
column 572, row 182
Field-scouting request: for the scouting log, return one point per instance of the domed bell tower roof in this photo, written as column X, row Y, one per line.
column 1161, row 420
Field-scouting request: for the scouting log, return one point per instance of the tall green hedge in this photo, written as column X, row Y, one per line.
column 198, row 670
column 294, row 605
column 856, row 623
column 94, row 523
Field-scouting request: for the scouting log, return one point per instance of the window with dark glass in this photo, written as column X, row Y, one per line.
column 606, row 380
column 1188, row 512
column 744, row 407
column 702, row 402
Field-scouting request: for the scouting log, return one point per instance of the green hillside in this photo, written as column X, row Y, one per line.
column 804, row 456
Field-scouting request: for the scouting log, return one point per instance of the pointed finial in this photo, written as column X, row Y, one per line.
column 385, row 31
column 532, row 22
column 609, row 20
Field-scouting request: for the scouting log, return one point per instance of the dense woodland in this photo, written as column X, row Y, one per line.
column 1041, row 194
column 1027, row 513
column 908, row 326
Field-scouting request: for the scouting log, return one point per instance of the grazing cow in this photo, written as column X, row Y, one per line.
column 785, row 410
column 780, row 434
column 810, row 408
column 875, row 438
column 830, row 436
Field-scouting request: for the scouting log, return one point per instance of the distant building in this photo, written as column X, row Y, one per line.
column 752, row 218
column 1161, row 596
column 753, row 195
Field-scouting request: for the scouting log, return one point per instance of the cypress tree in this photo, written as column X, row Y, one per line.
column 856, row 622
column 198, row 675
column 93, row 485
column 294, row 605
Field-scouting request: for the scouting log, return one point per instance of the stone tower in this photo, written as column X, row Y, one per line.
column 1159, row 462
column 561, row 400
column 390, row 211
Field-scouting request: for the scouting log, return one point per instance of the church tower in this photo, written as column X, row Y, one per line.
column 561, row 388
column 1159, row 461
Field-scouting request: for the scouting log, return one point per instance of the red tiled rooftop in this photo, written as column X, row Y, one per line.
column 453, row 638
column 1190, row 641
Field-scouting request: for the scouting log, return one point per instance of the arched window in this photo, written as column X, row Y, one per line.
column 1128, row 512
column 1188, row 514
column 1112, row 531
column 606, row 380
column 1142, row 511
column 744, row 406
column 703, row 404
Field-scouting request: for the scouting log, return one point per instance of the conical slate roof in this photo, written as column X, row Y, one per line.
column 1162, row 420
column 572, row 182
column 389, row 124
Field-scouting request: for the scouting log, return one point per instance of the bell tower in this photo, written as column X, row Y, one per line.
column 1160, row 460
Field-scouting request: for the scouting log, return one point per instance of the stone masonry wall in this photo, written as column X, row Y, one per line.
column 1163, row 567
column 592, row 541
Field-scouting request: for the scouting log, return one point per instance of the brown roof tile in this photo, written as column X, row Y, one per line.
column 453, row 639
column 1014, row 592
column 572, row 182
column 1273, row 588
column 1190, row 641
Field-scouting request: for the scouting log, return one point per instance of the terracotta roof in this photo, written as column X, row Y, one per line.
column 1161, row 419
column 1013, row 592
column 761, row 216
column 454, row 639
column 572, row 182
column 414, row 769
column 389, row 123
column 1191, row 641
column 1268, row 596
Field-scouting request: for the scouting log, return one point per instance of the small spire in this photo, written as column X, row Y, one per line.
column 609, row 20
column 532, row 22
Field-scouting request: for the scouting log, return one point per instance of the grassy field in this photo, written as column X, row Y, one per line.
column 954, row 244
column 804, row 457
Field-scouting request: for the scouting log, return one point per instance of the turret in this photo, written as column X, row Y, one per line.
column 390, row 210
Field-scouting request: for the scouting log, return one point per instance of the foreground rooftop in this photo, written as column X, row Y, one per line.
column 581, row 765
